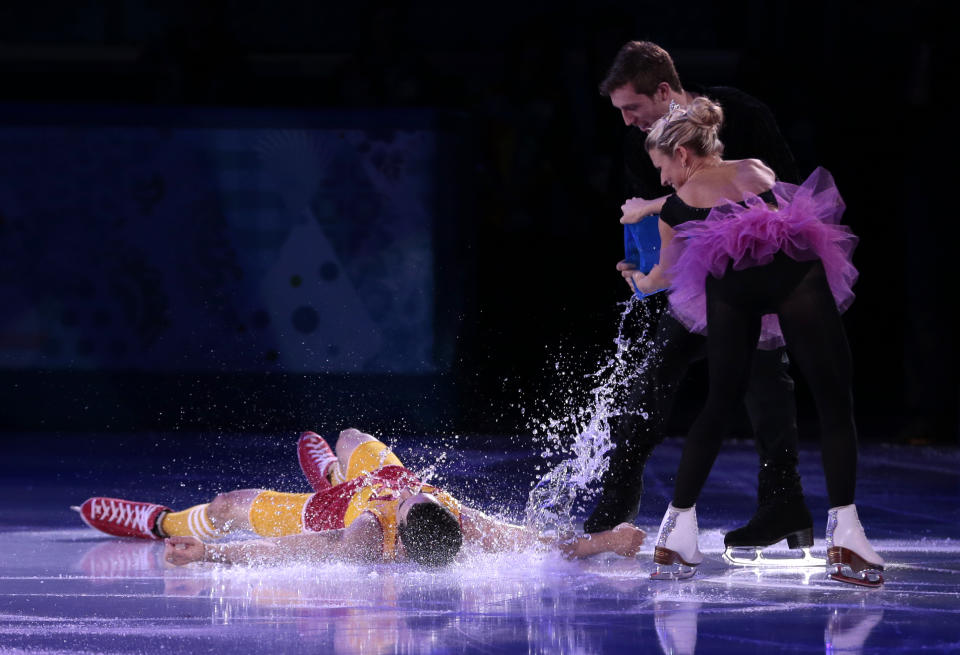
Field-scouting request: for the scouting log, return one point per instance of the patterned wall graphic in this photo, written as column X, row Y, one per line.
column 205, row 248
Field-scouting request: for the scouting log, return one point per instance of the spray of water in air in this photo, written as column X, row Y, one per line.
column 581, row 437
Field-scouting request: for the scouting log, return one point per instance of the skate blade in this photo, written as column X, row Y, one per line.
column 759, row 560
column 871, row 578
column 670, row 566
column 673, row 572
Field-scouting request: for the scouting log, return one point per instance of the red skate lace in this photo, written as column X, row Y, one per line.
column 131, row 515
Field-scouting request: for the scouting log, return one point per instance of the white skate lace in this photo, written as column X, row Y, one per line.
column 319, row 452
column 131, row 515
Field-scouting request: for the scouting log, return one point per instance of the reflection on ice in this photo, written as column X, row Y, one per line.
column 676, row 624
column 847, row 629
column 516, row 599
column 799, row 575
column 120, row 558
column 395, row 608
column 106, row 595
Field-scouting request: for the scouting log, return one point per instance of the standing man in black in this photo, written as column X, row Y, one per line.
column 641, row 84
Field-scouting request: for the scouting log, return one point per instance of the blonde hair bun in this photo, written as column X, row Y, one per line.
column 697, row 127
column 703, row 112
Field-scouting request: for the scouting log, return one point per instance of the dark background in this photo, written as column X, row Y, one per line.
column 525, row 284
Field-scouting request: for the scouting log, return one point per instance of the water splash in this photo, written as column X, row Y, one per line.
column 582, row 435
column 430, row 473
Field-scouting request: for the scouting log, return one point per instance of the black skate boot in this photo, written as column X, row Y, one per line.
column 781, row 514
column 621, row 487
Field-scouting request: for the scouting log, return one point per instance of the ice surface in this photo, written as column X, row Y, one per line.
column 67, row 589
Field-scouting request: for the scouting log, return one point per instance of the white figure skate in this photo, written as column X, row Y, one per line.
column 850, row 558
column 677, row 554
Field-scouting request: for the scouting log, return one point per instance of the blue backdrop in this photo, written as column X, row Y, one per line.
column 229, row 240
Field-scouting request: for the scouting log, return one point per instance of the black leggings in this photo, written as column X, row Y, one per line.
column 798, row 293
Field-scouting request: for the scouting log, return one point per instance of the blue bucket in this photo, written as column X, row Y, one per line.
column 641, row 247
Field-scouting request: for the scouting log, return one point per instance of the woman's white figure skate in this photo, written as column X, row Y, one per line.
column 850, row 558
column 677, row 553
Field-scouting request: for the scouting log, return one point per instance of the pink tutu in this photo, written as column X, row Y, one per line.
column 805, row 227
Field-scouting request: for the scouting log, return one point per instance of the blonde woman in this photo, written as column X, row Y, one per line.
column 749, row 259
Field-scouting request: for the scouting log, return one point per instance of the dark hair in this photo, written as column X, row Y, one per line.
column 644, row 65
column 431, row 534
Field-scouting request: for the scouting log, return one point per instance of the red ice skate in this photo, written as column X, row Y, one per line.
column 316, row 459
column 121, row 518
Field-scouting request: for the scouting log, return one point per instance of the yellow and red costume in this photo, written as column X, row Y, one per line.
column 373, row 481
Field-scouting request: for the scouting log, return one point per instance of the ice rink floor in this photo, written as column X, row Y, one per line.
column 67, row 589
